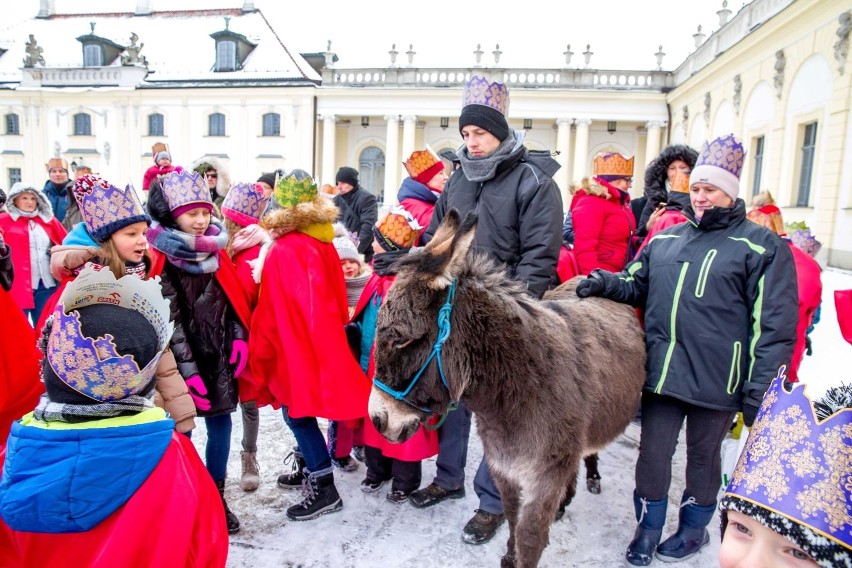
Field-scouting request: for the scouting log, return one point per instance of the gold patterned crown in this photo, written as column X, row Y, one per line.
column 56, row 163
column 612, row 164
column 294, row 188
column 797, row 464
column 185, row 188
column 92, row 366
column 725, row 152
column 423, row 165
column 397, row 229
column 244, row 203
column 479, row 91
column 105, row 208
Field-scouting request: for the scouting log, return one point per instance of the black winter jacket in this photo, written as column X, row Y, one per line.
column 205, row 328
column 520, row 216
column 359, row 212
column 720, row 301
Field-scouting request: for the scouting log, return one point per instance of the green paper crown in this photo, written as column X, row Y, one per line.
column 294, row 189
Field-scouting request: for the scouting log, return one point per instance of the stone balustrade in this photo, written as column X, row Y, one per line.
column 124, row 76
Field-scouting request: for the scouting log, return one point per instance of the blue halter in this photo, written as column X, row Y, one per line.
column 443, row 333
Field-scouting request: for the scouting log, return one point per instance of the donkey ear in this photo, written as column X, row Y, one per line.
column 453, row 252
column 447, row 228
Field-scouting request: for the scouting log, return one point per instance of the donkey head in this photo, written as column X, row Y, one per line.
column 410, row 356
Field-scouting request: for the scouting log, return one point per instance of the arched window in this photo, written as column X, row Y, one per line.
column 93, row 55
column 371, row 167
column 156, row 124
column 272, row 124
column 82, row 124
column 13, row 125
column 226, row 55
column 216, row 124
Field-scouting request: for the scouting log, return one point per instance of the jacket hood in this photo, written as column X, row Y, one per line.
column 223, row 181
column 413, row 189
column 70, row 480
column 45, row 209
column 656, row 173
column 287, row 219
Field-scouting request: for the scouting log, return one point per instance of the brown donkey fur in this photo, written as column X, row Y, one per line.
column 550, row 381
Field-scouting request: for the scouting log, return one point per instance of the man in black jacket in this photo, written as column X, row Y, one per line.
column 358, row 209
column 520, row 220
column 720, row 300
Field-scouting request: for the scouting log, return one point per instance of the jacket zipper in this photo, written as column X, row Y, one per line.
column 735, row 366
column 672, row 327
column 704, row 272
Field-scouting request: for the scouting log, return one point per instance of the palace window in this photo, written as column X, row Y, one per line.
column 807, row 165
column 216, row 124
column 93, row 55
column 13, row 125
column 14, row 176
column 371, row 167
column 156, row 124
column 82, row 124
column 226, row 55
column 757, row 144
column 272, row 124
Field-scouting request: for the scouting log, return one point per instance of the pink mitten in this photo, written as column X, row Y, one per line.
column 197, row 390
column 239, row 356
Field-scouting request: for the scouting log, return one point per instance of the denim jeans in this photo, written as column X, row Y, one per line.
column 218, row 445
column 310, row 440
column 40, row 297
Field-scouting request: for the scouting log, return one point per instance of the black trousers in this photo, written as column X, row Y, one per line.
column 662, row 418
column 405, row 474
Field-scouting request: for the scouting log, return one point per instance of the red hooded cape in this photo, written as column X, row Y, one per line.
column 20, row 376
column 297, row 346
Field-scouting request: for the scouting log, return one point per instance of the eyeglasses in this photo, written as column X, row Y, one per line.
column 212, row 175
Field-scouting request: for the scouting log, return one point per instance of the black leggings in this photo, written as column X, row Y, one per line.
column 405, row 474
column 662, row 418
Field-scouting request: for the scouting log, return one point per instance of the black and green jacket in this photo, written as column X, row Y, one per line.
column 720, row 302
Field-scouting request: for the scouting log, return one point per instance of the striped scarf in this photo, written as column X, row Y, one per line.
column 196, row 254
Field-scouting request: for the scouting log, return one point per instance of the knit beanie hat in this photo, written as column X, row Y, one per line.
column 269, row 178
column 347, row 175
column 720, row 163
column 162, row 155
column 486, row 105
column 105, row 208
column 345, row 246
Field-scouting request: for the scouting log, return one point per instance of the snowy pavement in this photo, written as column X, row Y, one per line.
column 371, row 532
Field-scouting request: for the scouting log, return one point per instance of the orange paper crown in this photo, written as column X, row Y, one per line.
column 398, row 228
column 613, row 164
column 423, row 165
column 681, row 182
column 56, row 163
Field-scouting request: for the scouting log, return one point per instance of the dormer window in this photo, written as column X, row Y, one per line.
column 226, row 55
column 93, row 55
column 232, row 49
column 98, row 51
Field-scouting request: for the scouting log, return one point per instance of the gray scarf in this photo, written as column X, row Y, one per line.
column 49, row 411
column 483, row 169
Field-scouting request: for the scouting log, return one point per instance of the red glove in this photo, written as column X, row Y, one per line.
column 239, row 356
column 197, row 390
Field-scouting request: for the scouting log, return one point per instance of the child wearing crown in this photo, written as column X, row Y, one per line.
column 394, row 235
column 208, row 306
column 96, row 474
column 302, row 310
column 241, row 210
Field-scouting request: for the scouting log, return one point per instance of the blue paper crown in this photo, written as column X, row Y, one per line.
column 725, row 152
column 478, row 91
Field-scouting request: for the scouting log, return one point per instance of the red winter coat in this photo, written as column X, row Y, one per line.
column 152, row 173
column 602, row 229
column 420, row 210
column 297, row 344
column 810, row 294
column 17, row 235
column 843, row 302
column 20, row 371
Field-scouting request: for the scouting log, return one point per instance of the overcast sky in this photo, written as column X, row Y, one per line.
column 623, row 34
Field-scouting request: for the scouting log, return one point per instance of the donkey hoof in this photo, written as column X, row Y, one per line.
column 593, row 485
column 509, row 560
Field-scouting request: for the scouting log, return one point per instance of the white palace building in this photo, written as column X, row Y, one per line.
column 101, row 88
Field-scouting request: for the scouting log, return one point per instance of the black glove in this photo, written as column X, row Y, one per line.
column 749, row 413
column 809, row 348
column 353, row 337
column 593, row 285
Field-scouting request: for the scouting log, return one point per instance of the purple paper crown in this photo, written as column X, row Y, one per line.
column 185, row 188
column 797, row 466
column 105, row 208
column 244, row 203
column 725, row 152
column 478, row 91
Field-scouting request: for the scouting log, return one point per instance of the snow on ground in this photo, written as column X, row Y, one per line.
column 371, row 532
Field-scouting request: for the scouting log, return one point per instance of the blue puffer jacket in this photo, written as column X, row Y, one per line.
column 68, row 481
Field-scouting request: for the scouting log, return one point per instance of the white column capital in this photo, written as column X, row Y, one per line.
column 392, row 118
column 325, row 117
column 563, row 121
column 655, row 124
column 583, row 121
column 409, row 118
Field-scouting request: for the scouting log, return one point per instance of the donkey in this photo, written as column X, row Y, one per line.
column 550, row 381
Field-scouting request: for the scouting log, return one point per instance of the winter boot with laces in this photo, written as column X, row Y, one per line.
column 250, row 479
column 320, row 494
column 230, row 518
column 651, row 516
column 296, row 477
column 691, row 535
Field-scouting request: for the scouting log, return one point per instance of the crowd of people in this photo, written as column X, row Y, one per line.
column 204, row 296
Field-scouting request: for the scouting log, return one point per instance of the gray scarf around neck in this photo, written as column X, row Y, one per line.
column 483, row 169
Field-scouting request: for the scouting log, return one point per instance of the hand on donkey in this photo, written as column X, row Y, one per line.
column 593, row 285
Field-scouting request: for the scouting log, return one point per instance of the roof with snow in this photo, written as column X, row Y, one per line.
column 177, row 45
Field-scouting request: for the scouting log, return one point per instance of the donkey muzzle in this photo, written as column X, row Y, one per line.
column 393, row 419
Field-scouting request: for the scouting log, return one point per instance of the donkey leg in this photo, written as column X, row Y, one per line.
column 542, row 498
column 510, row 496
column 593, row 477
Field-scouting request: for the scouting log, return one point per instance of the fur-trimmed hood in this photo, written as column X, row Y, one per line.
column 45, row 210
column 284, row 220
column 223, row 181
column 656, row 173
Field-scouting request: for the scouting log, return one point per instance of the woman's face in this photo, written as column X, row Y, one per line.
column 675, row 167
column 130, row 242
column 705, row 196
column 212, row 177
column 26, row 202
column 195, row 221
column 749, row 544
column 58, row 176
column 438, row 181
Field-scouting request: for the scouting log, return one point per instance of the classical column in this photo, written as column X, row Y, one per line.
column 391, row 160
column 563, row 146
column 328, row 140
column 409, row 124
column 581, row 148
column 652, row 142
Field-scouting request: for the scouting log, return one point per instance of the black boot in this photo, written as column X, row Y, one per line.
column 651, row 516
column 321, row 496
column 691, row 535
column 294, row 479
column 230, row 518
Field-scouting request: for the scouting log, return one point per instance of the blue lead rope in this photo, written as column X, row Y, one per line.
column 443, row 333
